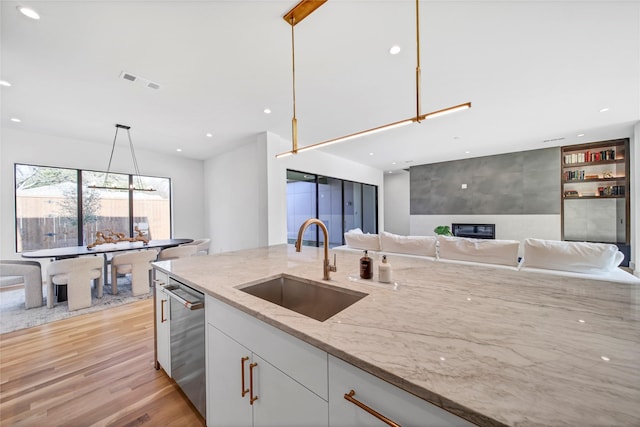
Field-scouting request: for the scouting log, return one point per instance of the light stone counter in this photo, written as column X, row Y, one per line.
column 494, row 346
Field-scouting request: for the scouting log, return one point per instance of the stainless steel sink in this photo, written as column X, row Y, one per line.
column 312, row 299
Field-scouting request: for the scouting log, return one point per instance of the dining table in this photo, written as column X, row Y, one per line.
column 102, row 249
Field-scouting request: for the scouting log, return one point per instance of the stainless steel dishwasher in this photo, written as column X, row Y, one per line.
column 187, row 342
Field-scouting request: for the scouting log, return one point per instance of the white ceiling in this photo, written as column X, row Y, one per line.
column 534, row 70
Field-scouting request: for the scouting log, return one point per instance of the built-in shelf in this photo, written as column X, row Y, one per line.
column 600, row 162
column 594, row 197
column 578, row 181
column 600, row 207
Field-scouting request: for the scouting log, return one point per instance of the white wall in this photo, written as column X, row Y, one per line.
column 397, row 203
column 246, row 190
column 236, row 198
column 46, row 150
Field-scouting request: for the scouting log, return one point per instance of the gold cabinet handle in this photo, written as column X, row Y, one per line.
column 244, row 390
column 378, row 415
column 252, row 398
column 162, row 319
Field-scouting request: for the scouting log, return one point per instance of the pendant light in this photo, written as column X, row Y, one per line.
column 132, row 187
column 297, row 14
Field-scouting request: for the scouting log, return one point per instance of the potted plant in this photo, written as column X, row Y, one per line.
column 443, row 230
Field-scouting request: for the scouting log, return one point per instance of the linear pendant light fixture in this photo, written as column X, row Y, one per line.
column 135, row 165
column 297, row 14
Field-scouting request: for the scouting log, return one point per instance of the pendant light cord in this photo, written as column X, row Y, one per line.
column 133, row 156
column 113, row 148
column 418, row 71
column 135, row 161
column 294, row 120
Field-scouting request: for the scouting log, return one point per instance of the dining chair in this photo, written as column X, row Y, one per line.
column 77, row 274
column 202, row 246
column 29, row 273
column 177, row 252
column 138, row 264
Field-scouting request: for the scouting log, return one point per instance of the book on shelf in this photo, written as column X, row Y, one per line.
column 571, row 193
column 589, row 156
column 611, row 190
column 577, row 175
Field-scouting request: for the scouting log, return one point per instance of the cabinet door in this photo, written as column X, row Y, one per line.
column 283, row 401
column 163, row 344
column 386, row 399
column 226, row 407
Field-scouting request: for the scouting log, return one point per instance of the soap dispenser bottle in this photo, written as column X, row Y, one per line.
column 366, row 266
column 384, row 270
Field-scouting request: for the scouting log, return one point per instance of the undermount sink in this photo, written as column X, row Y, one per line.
column 312, row 299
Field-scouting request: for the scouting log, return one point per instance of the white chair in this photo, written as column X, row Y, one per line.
column 202, row 246
column 29, row 273
column 177, row 252
column 138, row 264
column 77, row 274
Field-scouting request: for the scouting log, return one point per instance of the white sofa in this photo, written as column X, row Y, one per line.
column 599, row 261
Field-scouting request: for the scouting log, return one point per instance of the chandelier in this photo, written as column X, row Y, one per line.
column 131, row 186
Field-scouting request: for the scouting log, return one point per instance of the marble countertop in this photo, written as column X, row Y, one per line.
column 494, row 346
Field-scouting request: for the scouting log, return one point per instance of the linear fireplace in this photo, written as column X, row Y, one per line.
column 476, row 231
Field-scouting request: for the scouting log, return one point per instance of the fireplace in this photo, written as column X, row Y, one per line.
column 476, row 231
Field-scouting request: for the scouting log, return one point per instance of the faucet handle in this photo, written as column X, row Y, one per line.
column 334, row 267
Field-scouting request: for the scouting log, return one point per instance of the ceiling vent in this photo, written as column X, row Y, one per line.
column 139, row 80
column 554, row 139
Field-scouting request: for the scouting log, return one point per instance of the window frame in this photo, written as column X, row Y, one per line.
column 317, row 177
column 80, row 216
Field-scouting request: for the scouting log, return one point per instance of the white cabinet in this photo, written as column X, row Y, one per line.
column 246, row 390
column 163, row 344
column 228, row 385
column 260, row 375
column 295, row 383
column 386, row 399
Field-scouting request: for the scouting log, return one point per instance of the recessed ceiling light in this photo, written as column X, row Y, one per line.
column 15, row 119
column 393, row 163
column 581, row 134
column 267, row 111
column 4, row 83
column 209, row 135
column 179, row 150
column 467, row 152
column 394, row 50
column 371, row 154
column 28, row 12
column 604, row 110
column 390, row 171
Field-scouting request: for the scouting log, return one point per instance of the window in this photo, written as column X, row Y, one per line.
column 55, row 207
column 341, row 205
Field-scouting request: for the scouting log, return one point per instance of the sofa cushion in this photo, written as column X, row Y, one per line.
column 413, row 245
column 370, row 242
column 501, row 252
column 581, row 257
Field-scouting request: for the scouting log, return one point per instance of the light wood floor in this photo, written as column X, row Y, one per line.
column 90, row 370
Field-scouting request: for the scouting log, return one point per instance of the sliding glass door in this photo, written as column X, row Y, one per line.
column 301, row 205
column 341, row 205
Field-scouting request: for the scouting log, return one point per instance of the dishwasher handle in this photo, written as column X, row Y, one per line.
column 190, row 305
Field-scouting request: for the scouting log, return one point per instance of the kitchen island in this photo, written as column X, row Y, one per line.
column 491, row 345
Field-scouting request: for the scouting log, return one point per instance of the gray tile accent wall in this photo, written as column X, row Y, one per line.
column 527, row 182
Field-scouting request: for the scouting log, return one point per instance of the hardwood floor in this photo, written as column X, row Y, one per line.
column 90, row 370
